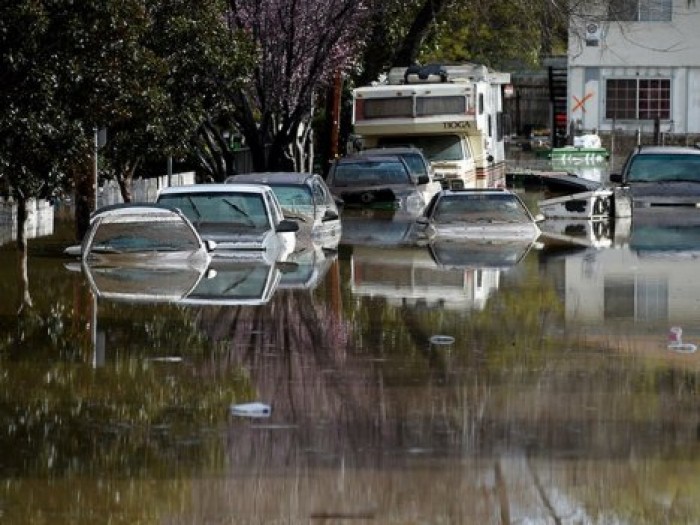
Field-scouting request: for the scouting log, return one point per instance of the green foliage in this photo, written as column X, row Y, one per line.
column 496, row 33
column 150, row 72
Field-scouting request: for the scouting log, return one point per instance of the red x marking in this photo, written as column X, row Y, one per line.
column 581, row 103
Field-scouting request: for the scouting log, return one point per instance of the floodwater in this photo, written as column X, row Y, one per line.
column 467, row 384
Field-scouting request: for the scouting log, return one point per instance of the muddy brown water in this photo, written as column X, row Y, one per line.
column 556, row 398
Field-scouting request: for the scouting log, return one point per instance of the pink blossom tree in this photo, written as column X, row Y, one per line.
column 300, row 45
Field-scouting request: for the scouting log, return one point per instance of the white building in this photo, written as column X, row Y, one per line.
column 631, row 61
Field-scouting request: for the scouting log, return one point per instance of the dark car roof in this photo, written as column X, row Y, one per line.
column 361, row 159
column 673, row 150
column 277, row 177
column 397, row 150
column 468, row 191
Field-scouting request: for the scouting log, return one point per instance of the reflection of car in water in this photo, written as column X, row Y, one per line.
column 492, row 254
column 307, row 267
column 366, row 180
column 303, row 197
column 477, row 214
column 666, row 232
column 243, row 218
column 427, row 275
column 225, row 282
column 376, row 227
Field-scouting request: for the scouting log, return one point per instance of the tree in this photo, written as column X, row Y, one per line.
column 37, row 136
column 189, row 59
column 300, row 45
column 497, row 34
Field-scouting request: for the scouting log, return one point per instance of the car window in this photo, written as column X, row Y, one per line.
column 237, row 209
column 371, row 173
column 415, row 164
column 146, row 235
column 434, row 147
column 480, row 208
column 293, row 195
column 664, row 167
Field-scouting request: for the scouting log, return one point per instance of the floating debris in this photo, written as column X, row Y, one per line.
column 676, row 344
column 442, row 340
column 255, row 409
column 167, row 359
column 683, row 348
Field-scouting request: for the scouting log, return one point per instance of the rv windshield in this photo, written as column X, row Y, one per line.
column 435, row 147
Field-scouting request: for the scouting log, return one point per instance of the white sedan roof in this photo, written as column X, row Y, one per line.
column 215, row 188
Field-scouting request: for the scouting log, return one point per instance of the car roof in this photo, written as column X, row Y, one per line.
column 277, row 177
column 394, row 150
column 134, row 208
column 673, row 150
column 472, row 191
column 361, row 159
column 214, row 188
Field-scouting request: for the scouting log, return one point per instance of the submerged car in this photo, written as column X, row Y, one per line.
column 143, row 234
column 368, row 180
column 413, row 157
column 658, row 177
column 240, row 218
column 303, row 197
column 478, row 214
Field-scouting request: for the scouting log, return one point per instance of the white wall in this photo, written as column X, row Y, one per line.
column 637, row 50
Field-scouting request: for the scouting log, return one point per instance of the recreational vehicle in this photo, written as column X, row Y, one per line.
column 453, row 113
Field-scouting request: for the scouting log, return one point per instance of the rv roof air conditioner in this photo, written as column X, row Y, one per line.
column 425, row 74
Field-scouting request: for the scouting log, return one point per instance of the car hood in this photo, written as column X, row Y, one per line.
column 665, row 193
column 253, row 240
column 488, row 231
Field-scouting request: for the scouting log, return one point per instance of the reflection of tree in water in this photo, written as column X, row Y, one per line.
column 298, row 355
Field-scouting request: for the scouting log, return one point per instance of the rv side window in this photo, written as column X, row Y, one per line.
column 467, row 150
column 488, row 122
column 481, row 103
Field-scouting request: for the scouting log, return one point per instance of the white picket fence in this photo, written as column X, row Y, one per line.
column 40, row 213
column 143, row 190
column 40, row 219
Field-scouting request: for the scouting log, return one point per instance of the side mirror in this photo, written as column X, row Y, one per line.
column 287, row 226
column 616, row 178
column 330, row 215
column 423, row 179
column 339, row 202
column 539, row 217
column 210, row 245
column 489, row 158
column 423, row 221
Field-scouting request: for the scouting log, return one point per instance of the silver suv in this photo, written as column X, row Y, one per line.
column 659, row 176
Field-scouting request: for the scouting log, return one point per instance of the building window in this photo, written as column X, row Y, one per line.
column 637, row 99
column 640, row 10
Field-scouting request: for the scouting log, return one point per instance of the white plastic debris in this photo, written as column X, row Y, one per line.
column 675, row 341
column 442, row 340
column 254, row 409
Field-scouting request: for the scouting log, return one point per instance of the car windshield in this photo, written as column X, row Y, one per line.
column 144, row 236
column 415, row 164
column 664, row 167
column 293, row 194
column 434, row 147
column 238, row 210
column 371, row 173
column 480, row 208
